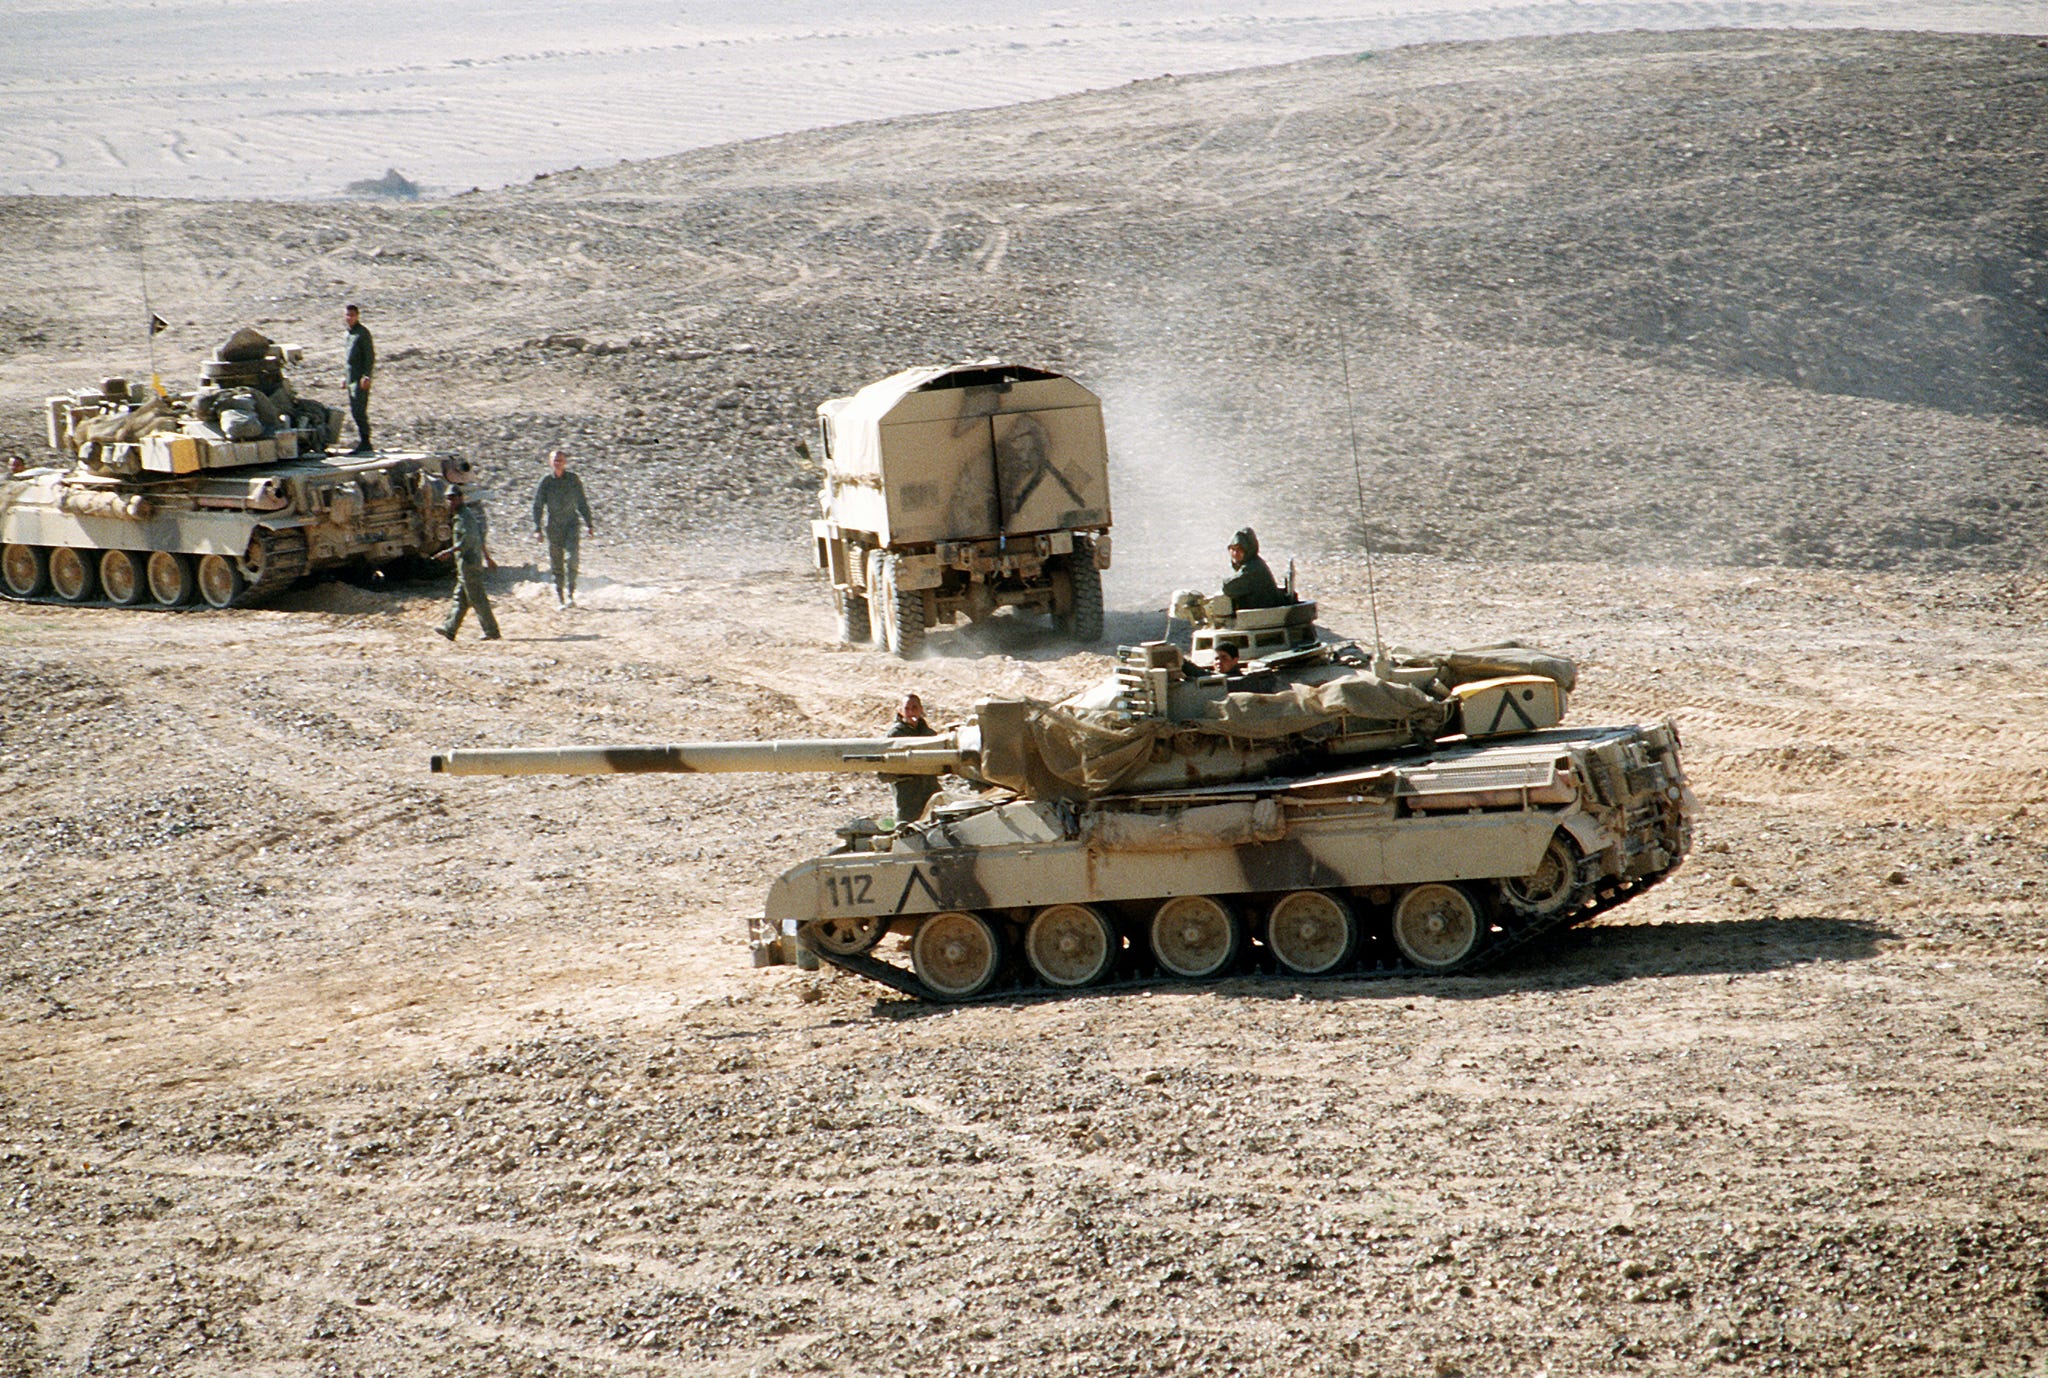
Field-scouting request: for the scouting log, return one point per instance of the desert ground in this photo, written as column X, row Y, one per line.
column 280, row 99
column 1713, row 360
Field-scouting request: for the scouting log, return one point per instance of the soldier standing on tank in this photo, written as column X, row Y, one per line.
column 470, row 545
column 1253, row 585
column 362, row 362
column 913, row 792
column 557, row 503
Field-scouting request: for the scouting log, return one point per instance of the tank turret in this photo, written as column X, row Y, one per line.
column 1309, row 818
column 221, row 494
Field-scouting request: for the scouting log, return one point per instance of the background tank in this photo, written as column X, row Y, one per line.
column 1170, row 824
column 221, row 494
column 958, row 490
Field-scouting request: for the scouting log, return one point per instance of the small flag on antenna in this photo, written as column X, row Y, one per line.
column 157, row 324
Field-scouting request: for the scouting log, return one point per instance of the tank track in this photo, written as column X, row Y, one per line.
column 280, row 562
column 1515, row 933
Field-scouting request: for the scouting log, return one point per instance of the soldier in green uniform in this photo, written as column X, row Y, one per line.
column 913, row 792
column 557, row 504
column 470, row 546
column 1252, row 586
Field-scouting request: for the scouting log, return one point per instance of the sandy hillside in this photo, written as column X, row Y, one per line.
column 1712, row 360
column 284, row 100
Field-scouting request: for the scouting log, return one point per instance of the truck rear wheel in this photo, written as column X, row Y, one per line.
column 902, row 614
column 1083, row 619
column 73, row 574
column 855, row 628
column 26, row 570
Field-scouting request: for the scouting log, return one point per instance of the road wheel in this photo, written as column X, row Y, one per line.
column 1195, row 937
column 849, row 937
column 1070, row 945
column 220, row 583
column 171, row 580
column 1550, row 889
column 121, row 577
column 902, row 613
column 1311, row 933
column 1437, row 927
column 955, row 954
column 855, row 627
column 1083, row 619
column 73, row 574
column 26, row 569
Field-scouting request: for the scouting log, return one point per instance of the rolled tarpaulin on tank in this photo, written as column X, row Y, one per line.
column 1376, row 703
column 1492, row 662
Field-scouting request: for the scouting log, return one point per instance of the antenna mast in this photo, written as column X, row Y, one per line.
column 1379, row 647
column 156, row 322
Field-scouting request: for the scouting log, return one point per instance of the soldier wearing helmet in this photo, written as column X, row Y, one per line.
column 1252, row 585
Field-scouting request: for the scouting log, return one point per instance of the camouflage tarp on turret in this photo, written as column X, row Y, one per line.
column 1097, row 751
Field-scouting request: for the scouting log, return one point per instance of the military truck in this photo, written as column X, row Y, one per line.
column 958, row 491
column 221, row 494
column 1424, row 819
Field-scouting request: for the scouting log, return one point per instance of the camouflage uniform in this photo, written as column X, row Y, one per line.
column 913, row 792
column 1253, row 585
column 471, row 531
column 557, row 504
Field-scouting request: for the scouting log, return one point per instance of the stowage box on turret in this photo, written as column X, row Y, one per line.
column 221, row 494
column 953, row 492
column 1313, row 818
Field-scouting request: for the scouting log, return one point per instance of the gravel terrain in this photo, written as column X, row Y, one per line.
column 1713, row 360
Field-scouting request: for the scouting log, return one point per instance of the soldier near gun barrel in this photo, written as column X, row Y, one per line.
column 913, row 792
column 470, row 547
column 557, row 504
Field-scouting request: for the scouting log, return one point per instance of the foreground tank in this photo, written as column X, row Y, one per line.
column 222, row 494
column 1171, row 825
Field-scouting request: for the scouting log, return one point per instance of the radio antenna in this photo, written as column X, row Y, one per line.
column 157, row 324
column 1379, row 647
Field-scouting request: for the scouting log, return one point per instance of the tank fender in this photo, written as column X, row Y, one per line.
column 1590, row 833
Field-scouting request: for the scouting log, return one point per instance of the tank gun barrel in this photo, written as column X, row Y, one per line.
column 860, row 755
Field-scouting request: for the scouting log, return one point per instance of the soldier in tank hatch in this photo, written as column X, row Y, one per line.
column 1252, row 584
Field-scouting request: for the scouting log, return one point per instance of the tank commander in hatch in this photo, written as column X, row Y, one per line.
column 470, row 545
column 361, row 362
column 913, row 792
column 1252, row 586
column 557, row 504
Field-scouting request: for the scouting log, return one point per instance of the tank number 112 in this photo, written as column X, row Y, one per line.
column 848, row 890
